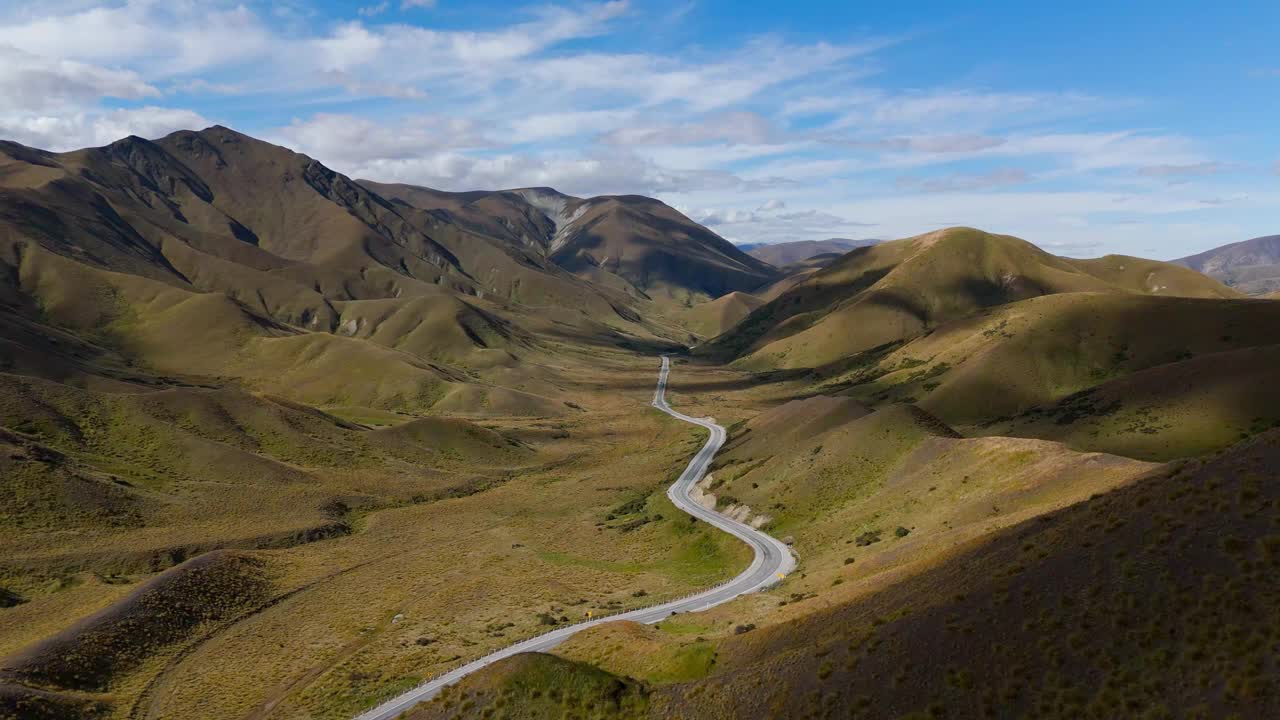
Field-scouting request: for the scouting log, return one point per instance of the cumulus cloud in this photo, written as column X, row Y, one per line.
column 30, row 82
column 593, row 173
column 773, row 138
column 734, row 128
column 351, row 140
column 547, row 126
column 755, row 226
column 356, row 86
column 168, row 38
column 87, row 129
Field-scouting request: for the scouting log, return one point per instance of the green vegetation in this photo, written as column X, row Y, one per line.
column 275, row 443
column 527, row 687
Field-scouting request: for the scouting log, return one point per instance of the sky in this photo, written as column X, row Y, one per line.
column 1143, row 128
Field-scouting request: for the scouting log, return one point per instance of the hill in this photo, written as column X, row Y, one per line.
column 711, row 318
column 1114, row 606
column 1250, row 266
column 213, row 255
column 897, row 290
column 789, row 253
column 626, row 242
column 1146, row 376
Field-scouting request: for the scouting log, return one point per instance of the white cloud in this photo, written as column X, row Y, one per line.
column 547, row 126
column 29, row 82
column 1199, row 169
column 774, row 138
column 967, row 181
column 69, row 132
column 734, row 128
column 352, row 141
column 938, row 144
column 356, row 86
column 168, row 38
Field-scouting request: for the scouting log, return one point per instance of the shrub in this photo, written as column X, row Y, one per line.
column 867, row 538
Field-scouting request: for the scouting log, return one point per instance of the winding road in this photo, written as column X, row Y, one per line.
column 773, row 561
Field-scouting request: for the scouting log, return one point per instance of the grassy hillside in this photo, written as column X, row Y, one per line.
column 1154, row 600
column 712, row 318
column 1151, row 377
column 534, row 686
column 1111, row 607
column 216, row 255
column 897, row 290
column 148, row 478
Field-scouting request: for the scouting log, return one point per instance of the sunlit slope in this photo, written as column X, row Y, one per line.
column 1081, row 606
column 1155, row 377
column 898, row 290
column 712, row 318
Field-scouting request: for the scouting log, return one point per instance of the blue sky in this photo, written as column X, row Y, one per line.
column 1142, row 128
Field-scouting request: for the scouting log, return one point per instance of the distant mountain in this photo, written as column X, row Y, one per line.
column 789, row 253
column 1250, row 266
column 628, row 242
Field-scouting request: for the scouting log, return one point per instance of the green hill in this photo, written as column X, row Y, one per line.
column 897, row 290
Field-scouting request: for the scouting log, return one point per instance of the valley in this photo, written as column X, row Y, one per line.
column 280, row 443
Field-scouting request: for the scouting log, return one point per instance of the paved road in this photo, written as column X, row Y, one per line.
column 772, row 561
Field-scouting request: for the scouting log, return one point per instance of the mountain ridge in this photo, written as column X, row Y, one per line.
column 1251, row 266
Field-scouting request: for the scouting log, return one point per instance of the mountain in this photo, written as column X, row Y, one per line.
column 268, row 428
column 893, row 291
column 789, row 253
column 212, row 254
column 1250, row 266
column 628, row 242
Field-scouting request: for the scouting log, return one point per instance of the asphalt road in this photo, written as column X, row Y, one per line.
column 773, row 560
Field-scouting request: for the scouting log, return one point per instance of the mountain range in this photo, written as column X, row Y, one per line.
column 280, row 443
column 783, row 254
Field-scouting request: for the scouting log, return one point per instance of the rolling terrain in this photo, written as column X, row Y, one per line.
column 276, row 444
column 1108, row 607
column 897, row 290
